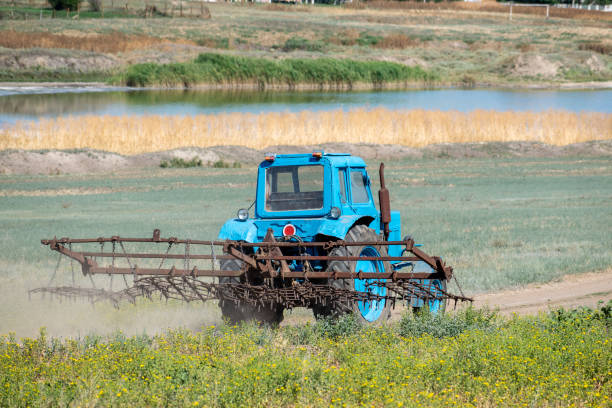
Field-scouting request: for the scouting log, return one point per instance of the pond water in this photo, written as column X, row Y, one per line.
column 31, row 103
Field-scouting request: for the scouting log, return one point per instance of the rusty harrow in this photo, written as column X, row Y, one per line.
column 290, row 273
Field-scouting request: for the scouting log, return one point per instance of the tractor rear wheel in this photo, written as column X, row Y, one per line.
column 241, row 312
column 374, row 311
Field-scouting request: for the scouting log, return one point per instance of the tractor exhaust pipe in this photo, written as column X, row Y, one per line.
column 384, row 202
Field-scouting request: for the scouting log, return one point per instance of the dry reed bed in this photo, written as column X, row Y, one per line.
column 414, row 128
column 115, row 42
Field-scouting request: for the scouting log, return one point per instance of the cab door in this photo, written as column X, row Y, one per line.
column 360, row 197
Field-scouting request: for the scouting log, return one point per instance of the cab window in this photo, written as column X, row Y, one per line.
column 359, row 193
column 294, row 188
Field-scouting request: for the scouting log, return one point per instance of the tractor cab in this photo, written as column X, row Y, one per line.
column 309, row 196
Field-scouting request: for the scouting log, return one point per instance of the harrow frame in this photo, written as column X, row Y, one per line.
column 261, row 262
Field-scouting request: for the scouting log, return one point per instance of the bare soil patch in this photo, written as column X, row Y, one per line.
column 535, row 65
column 93, row 161
column 571, row 291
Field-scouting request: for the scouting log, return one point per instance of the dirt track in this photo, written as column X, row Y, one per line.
column 571, row 291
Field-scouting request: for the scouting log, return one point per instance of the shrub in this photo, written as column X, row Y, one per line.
column 64, row 4
column 601, row 48
column 96, row 5
column 179, row 163
column 299, row 43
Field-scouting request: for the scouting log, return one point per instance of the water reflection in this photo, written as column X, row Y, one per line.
column 80, row 101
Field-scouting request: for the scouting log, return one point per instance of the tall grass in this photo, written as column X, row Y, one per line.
column 216, row 68
column 414, row 128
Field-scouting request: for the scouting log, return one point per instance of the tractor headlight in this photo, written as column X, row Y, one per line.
column 335, row 213
column 243, row 214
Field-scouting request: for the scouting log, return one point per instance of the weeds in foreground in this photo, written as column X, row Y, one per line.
column 447, row 325
column 524, row 361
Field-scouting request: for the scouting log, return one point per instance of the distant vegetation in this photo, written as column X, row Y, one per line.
column 472, row 359
column 216, row 68
column 453, row 43
column 178, row 163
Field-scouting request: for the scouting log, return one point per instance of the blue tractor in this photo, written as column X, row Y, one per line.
column 326, row 198
column 314, row 240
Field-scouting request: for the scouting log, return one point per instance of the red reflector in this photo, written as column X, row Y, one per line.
column 317, row 155
column 288, row 230
column 270, row 158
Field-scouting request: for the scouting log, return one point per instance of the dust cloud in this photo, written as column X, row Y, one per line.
column 24, row 315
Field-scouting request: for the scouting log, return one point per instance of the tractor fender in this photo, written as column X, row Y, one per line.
column 340, row 227
column 237, row 230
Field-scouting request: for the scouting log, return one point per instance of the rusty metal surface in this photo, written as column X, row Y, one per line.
column 184, row 269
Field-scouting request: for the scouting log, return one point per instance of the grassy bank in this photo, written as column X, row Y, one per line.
column 473, row 359
column 415, row 128
column 225, row 69
column 44, row 75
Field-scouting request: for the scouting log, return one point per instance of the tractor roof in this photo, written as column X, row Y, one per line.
column 335, row 159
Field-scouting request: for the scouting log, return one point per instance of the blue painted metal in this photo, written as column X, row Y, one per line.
column 238, row 230
column 435, row 306
column 370, row 311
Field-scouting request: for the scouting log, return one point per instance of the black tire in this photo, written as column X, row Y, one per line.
column 236, row 313
column 356, row 234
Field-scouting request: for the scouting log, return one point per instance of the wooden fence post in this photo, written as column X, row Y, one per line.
column 510, row 16
column 181, row 8
column 547, row 11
